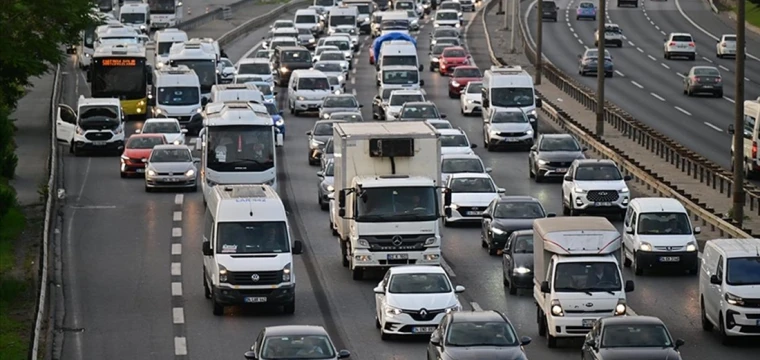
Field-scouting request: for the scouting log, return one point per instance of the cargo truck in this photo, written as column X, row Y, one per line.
column 577, row 275
column 387, row 181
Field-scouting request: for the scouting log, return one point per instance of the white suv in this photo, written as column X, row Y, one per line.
column 726, row 46
column 593, row 185
column 613, row 35
column 680, row 44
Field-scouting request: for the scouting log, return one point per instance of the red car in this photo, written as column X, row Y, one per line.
column 462, row 76
column 451, row 58
column 136, row 150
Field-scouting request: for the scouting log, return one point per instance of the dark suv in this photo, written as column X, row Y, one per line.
column 549, row 11
column 289, row 58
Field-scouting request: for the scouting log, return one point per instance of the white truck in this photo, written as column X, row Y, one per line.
column 165, row 13
column 387, row 181
column 577, row 277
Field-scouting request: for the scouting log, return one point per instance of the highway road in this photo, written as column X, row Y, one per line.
column 645, row 84
column 120, row 244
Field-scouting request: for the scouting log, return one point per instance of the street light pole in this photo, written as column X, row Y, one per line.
column 514, row 11
column 600, row 62
column 539, row 42
column 738, row 193
column 501, row 7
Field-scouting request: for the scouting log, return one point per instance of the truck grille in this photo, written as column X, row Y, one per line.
column 558, row 164
column 182, row 119
column 603, row 195
column 512, row 134
column 98, row 136
column 261, row 278
column 429, row 314
column 396, row 242
column 752, row 303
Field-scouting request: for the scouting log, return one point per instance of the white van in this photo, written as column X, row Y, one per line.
column 751, row 133
column 308, row 19
column 402, row 77
column 306, row 90
column 509, row 87
column 659, row 234
column 247, row 248
column 398, row 54
column 729, row 287
column 394, row 21
column 176, row 93
column 164, row 40
column 236, row 92
column 136, row 15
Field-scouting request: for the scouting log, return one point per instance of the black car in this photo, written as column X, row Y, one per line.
column 517, row 261
column 630, row 337
column 552, row 156
column 295, row 342
column 286, row 59
column 505, row 215
column 318, row 136
column 476, row 335
column 549, row 9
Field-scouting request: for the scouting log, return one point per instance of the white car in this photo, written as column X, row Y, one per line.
column 680, row 45
column 350, row 31
column 455, row 141
column 439, row 124
column 226, row 70
column 613, row 35
column 462, row 163
column 726, row 46
column 470, row 195
column 169, row 128
column 281, row 24
column 471, row 98
column 414, row 20
column 595, row 185
column 343, row 43
column 334, row 56
column 332, row 69
column 446, row 18
column 397, row 99
column 412, row 300
column 281, row 41
column 257, row 67
column 324, row 48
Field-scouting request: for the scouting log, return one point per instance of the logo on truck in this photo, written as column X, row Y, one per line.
column 397, row 240
column 255, row 277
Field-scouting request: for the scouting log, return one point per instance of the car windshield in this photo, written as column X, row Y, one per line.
column 612, row 29
column 329, row 148
column 252, row 237
column 663, row 223
column 297, row 347
column 420, row 112
column 266, row 89
column 401, row 77
column 306, row 19
column 226, row 62
column 340, row 102
column 420, row 283
column 283, row 24
column 444, row 33
column 332, row 56
column 473, row 334
column 500, row 117
column 475, row 88
column 170, row 156
column 512, row 97
column 179, row 96
column 456, row 166
column 467, row 73
column 454, row 53
column 440, row 124
column 399, row 100
column 322, row 49
column 328, row 67
column 586, row 277
column 523, row 244
column 447, row 16
column 472, row 185
column 519, row 210
column 593, row 53
column 272, row 109
column 341, row 44
column 316, row 83
column 706, row 72
column 586, row 5
column 457, row 140
column 743, row 271
column 601, row 172
column 333, row 80
column 451, row 6
column 296, row 56
column 347, row 117
column 259, row 68
column 161, row 127
column 144, row 142
column 636, row 336
column 681, row 38
column 559, row 144
column 323, row 129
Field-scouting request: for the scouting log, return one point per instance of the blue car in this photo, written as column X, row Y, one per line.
column 586, row 10
column 266, row 90
column 587, row 63
column 276, row 114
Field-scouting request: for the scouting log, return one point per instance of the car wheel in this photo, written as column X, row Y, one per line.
column 626, row 260
column 206, row 288
column 541, row 320
column 218, row 309
column 719, row 55
column 377, row 323
column 531, row 173
column 148, row 189
column 719, row 94
column 724, row 338
column 539, row 178
column 122, row 175
column 551, row 341
column 344, row 253
column 452, row 95
column 565, row 208
column 706, row 324
column 693, row 57
column 637, row 269
column 289, row 307
column 512, row 288
column 357, row 274
column 666, row 55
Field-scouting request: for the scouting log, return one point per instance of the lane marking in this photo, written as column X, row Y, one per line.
column 678, row 6
column 178, row 315
column 447, row 268
column 706, row 59
column 580, row 41
column 177, row 216
column 353, row 81
column 724, row 68
column 665, row 66
column 576, row 35
column 180, row 346
column 662, row 32
column 729, row 99
column 178, row 199
column 176, row 289
column 476, row 306
column 683, row 111
column 681, row 75
column 176, row 269
column 713, row 127
column 619, row 73
column 652, row 57
column 639, row 49
column 658, row 97
column 746, row 79
column 176, row 249
column 176, row 232
column 631, row 43
column 353, row 91
column 636, row 84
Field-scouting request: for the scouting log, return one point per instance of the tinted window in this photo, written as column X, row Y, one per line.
column 456, row 53
column 296, row 56
column 323, row 129
column 446, row 16
column 662, row 223
column 706, row 72
column 254, row 69
column 599, row 172
column 467, row 73
column 340, row 102
column 635, row 335
column 684, row 38
column 252, row 237
column 743, row 271
column 476, row 334
column 399, row 100
column 420, row 112
column 328, row 67
column 454, row 141
column 297, row 347
column 332, row 56
column 475, row 88
column 472, row 185
column 145, row 142
column 455, row 166
column 161, row 127
column 559, row 144
column 519, row 210
column 170, row 156
column 313, row 84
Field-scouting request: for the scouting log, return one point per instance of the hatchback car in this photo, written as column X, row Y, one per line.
column 347, row 116
column 680, row 45
column 587, row 63
column 461, row 163
column 462, row 76
column 169, row 128
column 451, row 58
column 471, row 98
column 726, row 46
column 170, row 167
column 470, row 195
column 295, row 342
column 455, row 141
column 318, row 136
column 397, row 99
column 225, row 70
column 338, row 103
column 435, row 56
column 703, row 80
column 137, row 149
column 517, row 261
column 476, row 335
column 507, row 128
column 586, row 10
column 552, row 156
column 506, row 215
column 638, row 337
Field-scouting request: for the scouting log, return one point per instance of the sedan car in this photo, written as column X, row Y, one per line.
column 632, row 337
column 507, row 128
column 328, row 153
column 257, row 67
column 471, row 98
column 462, row 76
column 470, row 195
column 225, row 70
column 701, row 80
column 451, row 58
column 318, row 135
column 332, row 69
column 306, row 38
column 338, row 103
column 295, row 342
column 321, row 49
column 325, row 187
column 586, row 10
column 347, row 116
column 170, row 166
column 167, row 127
column 281, row 24
column 587, row 63
column 414, row 20
column 517, row 261
column 397, row 99
column 419, row 111
column 350, row 31
column 137, row 149
column 506, row 215
column 334, row 56
column 435, row 56
column 439, row 124
column 455, row 141
column 476, row 335
column 461, row 163
column 412, row 300
column 552, row 156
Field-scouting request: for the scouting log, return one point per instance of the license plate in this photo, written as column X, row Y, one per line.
column 255, row 300
column 707, row 86
column 99, row 143
column 171, row 180
column 474, row 213
column 602, row 204
column 398, row 256
column 561, row 170
column 670, row 259
column 140, row 171
column 423, row 329
column 511, row 140
column 587, row 323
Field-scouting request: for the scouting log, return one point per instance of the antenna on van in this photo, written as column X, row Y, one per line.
column 250, row 209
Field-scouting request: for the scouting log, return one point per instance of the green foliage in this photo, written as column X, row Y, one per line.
column 8, row 159
column 7, row 199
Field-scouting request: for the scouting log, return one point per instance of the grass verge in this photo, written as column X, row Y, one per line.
column 751, row 13
column 16, row 290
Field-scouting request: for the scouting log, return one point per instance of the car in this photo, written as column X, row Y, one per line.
column 349, row 31
column 587, row 63
column 328, row 153
column 337, row 84
column 419, row 111
column 225, row 70
column 637, row 337
column 262, row 54
column 380, row 102
column 266, row 89
column 505, row 215
column 318, row 136
column 347, row 116
column 276, row 114
column 462, row 76
column 552, row 156
column 167, row 127
column 435, row 56
column 325, row 187
column 295, row 342
column 613, row 35
column 467, row 5
column 257, row 67
column 507, row 128
column 397, row 99
column 444, row 32
column 451, row 58
column 550, row 10
column 449, row 41
column 476, row 335
column 448, row 18
column 703, row 79
column 244, row 79
column 281, row 24
column 332, row 69
column 452, row 5
column 470, row 194
column 412, row 300
column 338, row 103
column 471, row 98
column 306, row 38
column 333, row 56
column 439, row 124
column 461, row 163
column 585, row 10
column 320, row 49
column 455, row 141
column 172, row 167
column 136, row 150
column 680, row 45
column 594, row 185
column 414, row 20
column 281, row 41
column 343, row 43
column 517, row 261
column 726, row 46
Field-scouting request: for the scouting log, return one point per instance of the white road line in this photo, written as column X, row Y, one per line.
column 579, row 41
column 678, row 6
column 619, row 73
column 353, row 91
column 176, row 232
column 178, row 315
column 681, row 75
column 180, row 346
column 631, row 43
column 636, row 84
column 658, row 97
column 746, row 79
column 353, row 81
column 176, row 269
column 178, row 199
column 576, row 35
column 662, row 32
column 640, row 50
column 353, row 71
column 476, row 306
column 657, row 27
column 665, row 66
column 706, row 59
column 651, row 22
column 176, row 249
column 652, row 57
column 713, row 127
column 724, row 68
column 177, row 216
column 447, row 268
column 176, row 289
column 572, row 30
column 729, row 99
column 683, row 111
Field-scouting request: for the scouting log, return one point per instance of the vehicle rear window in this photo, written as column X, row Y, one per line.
column 683, row 38
column 296, row 56
column 730, row 38
column 706, row 72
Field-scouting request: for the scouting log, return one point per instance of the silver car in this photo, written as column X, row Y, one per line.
column 325, row 186
column 331, row 69
column 338, row 103
column 306, row 38
column 225, row 70
column 328, row 153
column 347, row 116
column 170, row 167
column 334, row 56
column 507, row 127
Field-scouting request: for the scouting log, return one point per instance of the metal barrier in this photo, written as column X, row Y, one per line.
column 257, row 22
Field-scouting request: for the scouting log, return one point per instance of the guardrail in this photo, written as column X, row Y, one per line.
column 699, row 211
column 216, row 14
column 256, row 22
column 713, row 7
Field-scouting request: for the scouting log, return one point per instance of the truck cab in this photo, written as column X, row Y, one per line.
column 509, row 86
column 97, row 126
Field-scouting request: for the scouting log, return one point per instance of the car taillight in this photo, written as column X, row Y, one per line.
column 691, row 44
column 723, row 45
column 696, row 78
column 754, row 149
column 672, row 44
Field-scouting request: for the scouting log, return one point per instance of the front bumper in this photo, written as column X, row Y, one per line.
column 581, row 202
column 170, row 182
column 687, row 260
column 307, row 105
column 551, row 171
column 363, row 258
column 281, row 295
column 117, row 145
column 132, row 168
column 570, row 325
column 403, row 324
column 455, row 89
column 460, row 215
column 522, row 281
column 741, row 321
column 681, row 53
column 510, row 142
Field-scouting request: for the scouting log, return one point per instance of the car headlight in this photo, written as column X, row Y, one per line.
column 325, row 116
column 456, row 307
column 300, row 98
column 269, row 100
column 624, row 190
column 390, row 310
column 222, row 274
column 457, row 25
column 454, row 83
column 521, row 270
column 454, row 206
column 284, row 69
column 578, row 190
column 620, row 309
column 542, row 162
column 498, row 231
column 436, row 24
column 330, row 188
column 337, row 92
column 557, row 309
column 362, row 243
column 529, row 132
column 691, row 247
column 470, row 101
column 118, row 130
column 151, row 173
column 177, row 142
column 79, row 131
column 190, row 173
column 645, row 246
column 157, row 111
column 279, row 122
column 286, row 273
column 198, row 110
column 532, row 113
column 160, row 65
column 315, row 144
column 311, row 41
column 734, row 300
column 340, row 78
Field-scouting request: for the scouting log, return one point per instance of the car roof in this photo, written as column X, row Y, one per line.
column 420, row 103
column 704, row 67
column 253, row 61
column 652, row 204
column 416, row 269
column 446, row 10
column 595, row 161
column 451, row 132
column 469, row 175
column 147, row 135
column 518, row 198
column 477, row 316
column 460, row 156
column 455, row 48
column 290, row 330
column 291, row 48
column 160, row 120
column 341, row 96
column 631, row 320
column 326, row 121
column 556, row 136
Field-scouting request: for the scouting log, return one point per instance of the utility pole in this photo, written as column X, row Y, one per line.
column 600, row 62
column 738, row 196
column 506, row 14
column 514, row 11
column 501, row 8
column 539, row 42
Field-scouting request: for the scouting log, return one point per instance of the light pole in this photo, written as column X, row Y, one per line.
column 539, row 41
column 514, row 11
column 601, row 59
column 738, row 193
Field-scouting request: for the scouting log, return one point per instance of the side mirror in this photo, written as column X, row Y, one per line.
column 551, row 215
column 342, row 213
column 308, row 133
column 422, row 82
column 488, row 170
column 274, row 93
column 584, row 149
column 697, row 230
column 459, row 289
column 539, row 102
column 297, row 247
column 250, row 355
column 591, row 343
column 207, row 249
column 545, row 287
column 361, row 105
column 344, row 354
column 534, row 148
column 280, row 112
column 320, row 174
column 447, row 198
column 421, row 68
column 435, row 340
column 184, row 131
column 731, row 129
column 679, row 343
column 379, row 290
column 443, row 116
column 342, row 199
column 525, row 340
column 487, row 216
column 628, row 230
column 714, row 280
column 473, row 146
column 627, row 178
column 502, row 190
column 629, row 286
column 568, row 178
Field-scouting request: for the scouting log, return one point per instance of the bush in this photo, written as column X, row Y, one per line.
column 8, row 162
column 7, row 199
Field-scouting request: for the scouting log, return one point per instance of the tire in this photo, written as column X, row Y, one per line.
column 147, row 189
column 666, row 55
column 377, row 323
column 492, row 251
column 344, row 255
column 724, row 338
column 218, row 309
column 531, row 174
column 289, row 308
column 565, row 209
column 122, row 175
column 483, row 243
column 626, row 261
column 596, row 43
column 693, row 57
column 324, row 206
column 206, row 289
column 637, row 270
column 357, row 274
column 194, row 188
column 452, row 95
column 719, row 94
column 551, row 341
column 512, row 289
column 706, row 324
column 541, row 320
column 384, row 336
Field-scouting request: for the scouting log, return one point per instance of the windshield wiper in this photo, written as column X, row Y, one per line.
column 602, row 289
